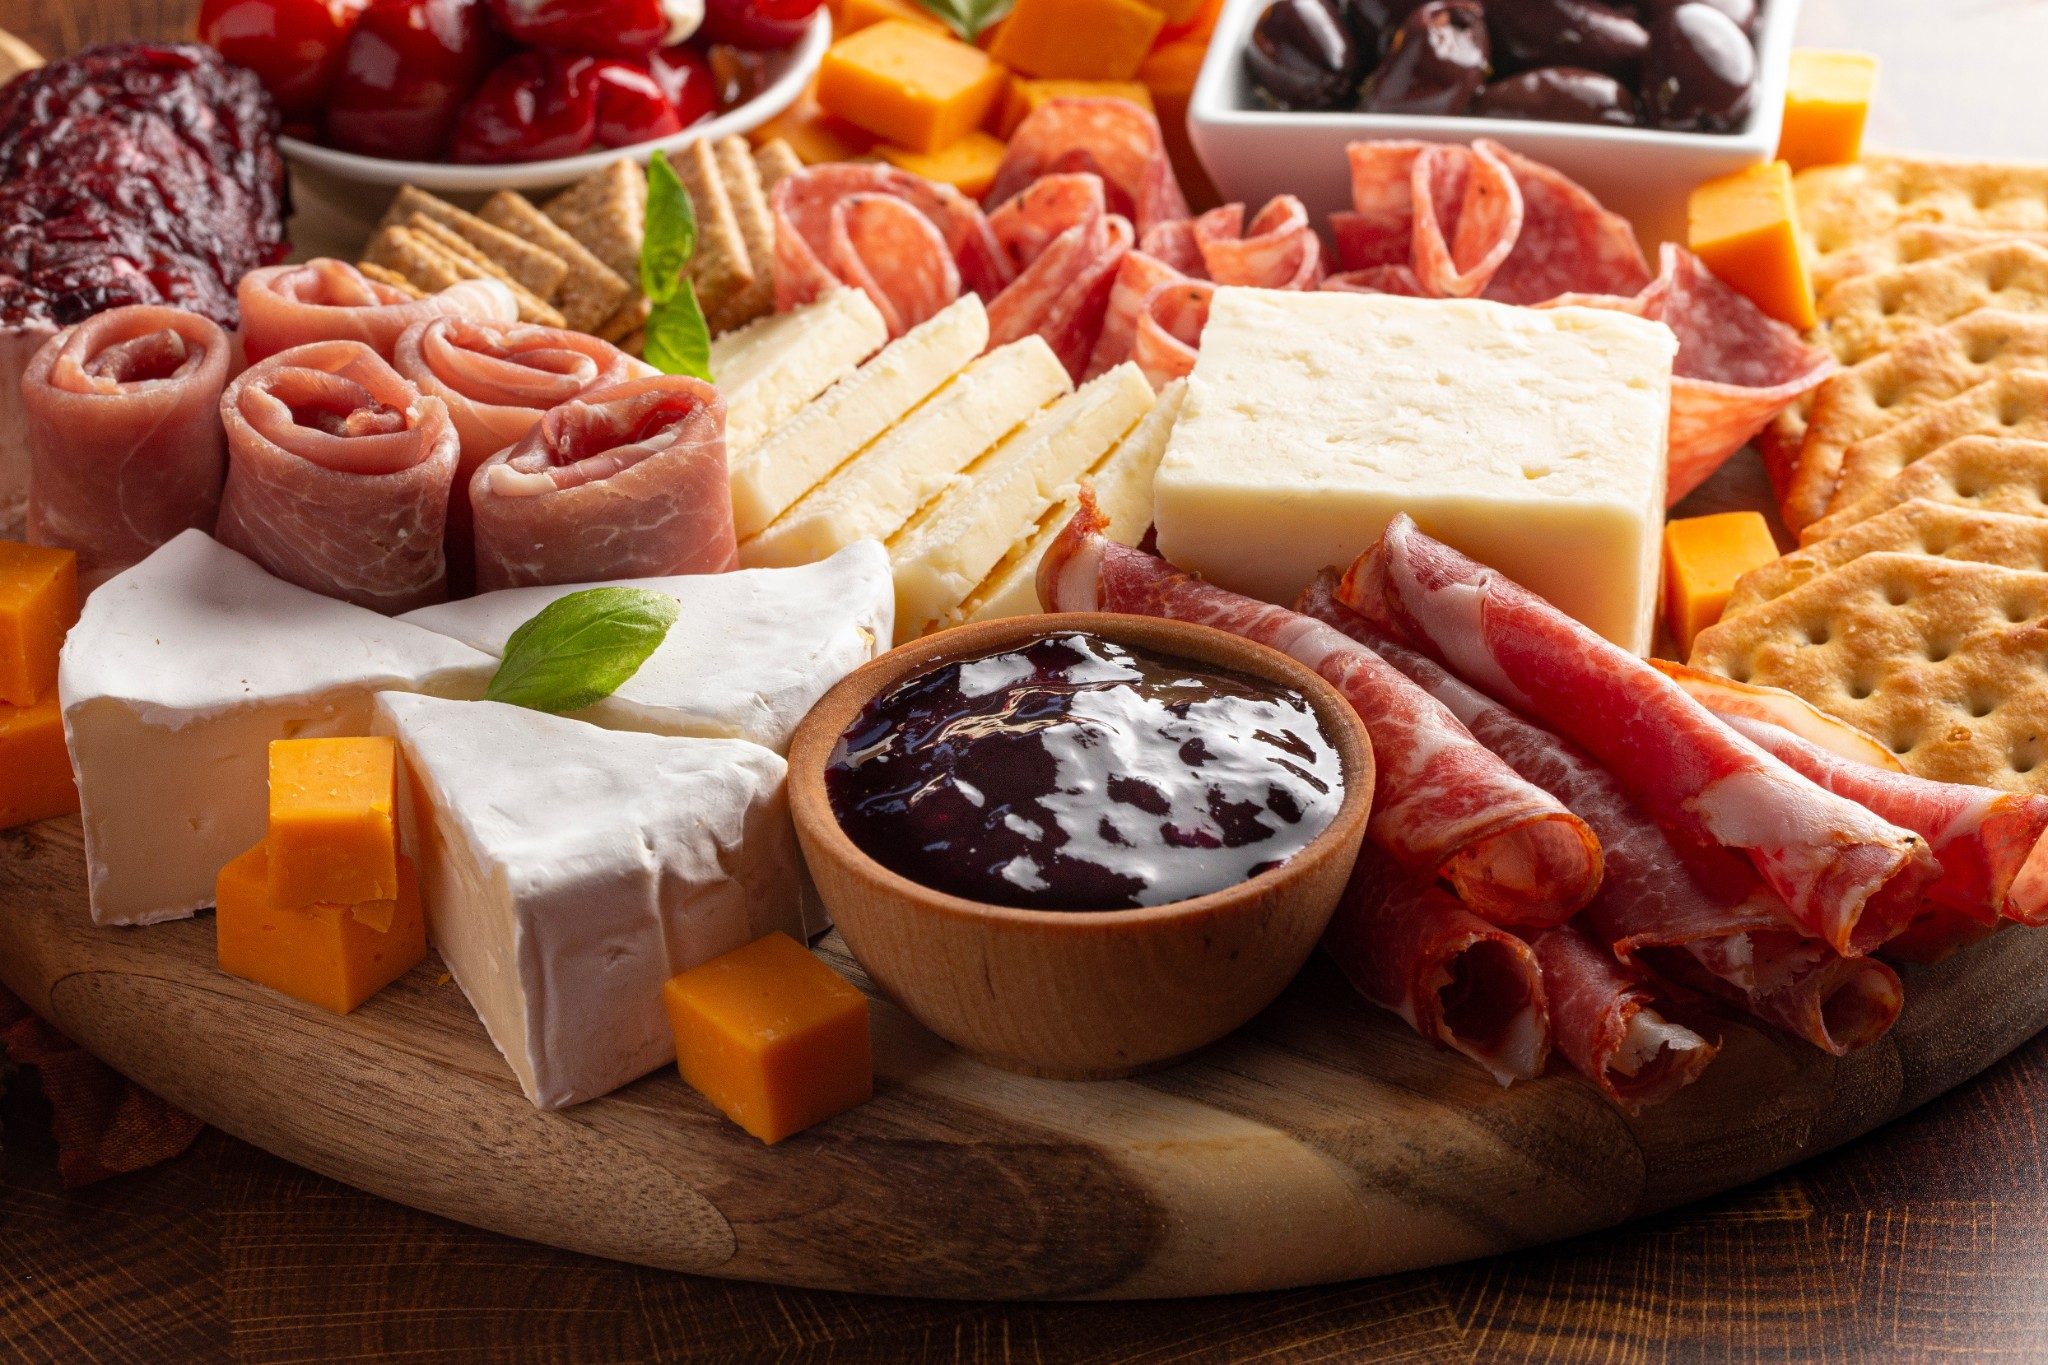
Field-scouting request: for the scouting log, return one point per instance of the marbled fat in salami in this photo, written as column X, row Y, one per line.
column 325, row 300
column 1603, row 1018
column 1137, row 276
column 1111, row 138
column 1569, row 243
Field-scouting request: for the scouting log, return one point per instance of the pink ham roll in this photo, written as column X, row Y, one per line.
column 625, row 482
column 325, row 300
column 338, row 476
column 124, row 434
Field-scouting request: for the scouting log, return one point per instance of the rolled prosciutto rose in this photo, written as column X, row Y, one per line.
column 325, row 300
column 625, row 482
column 338, row 476
column 124, row 434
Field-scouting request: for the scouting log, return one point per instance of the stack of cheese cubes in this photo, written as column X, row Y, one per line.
column 325, row 908
column 38, row 605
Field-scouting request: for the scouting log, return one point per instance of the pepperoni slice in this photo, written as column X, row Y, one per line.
column 1569, row 243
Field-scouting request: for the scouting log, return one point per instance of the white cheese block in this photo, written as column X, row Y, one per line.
column 749, row 654
column 949, row 547
column 1123, row 495
column 883, row 487
column 176, row 678
column 768, row 369
column 569, row 871
column 803, row 451
column 1531, row 439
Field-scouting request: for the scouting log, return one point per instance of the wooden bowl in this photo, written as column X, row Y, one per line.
column 1091, row 994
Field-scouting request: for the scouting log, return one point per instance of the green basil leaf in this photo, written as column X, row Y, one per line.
column 582, row 648
column 671, row 236
column 678, row 340
column 968, row 18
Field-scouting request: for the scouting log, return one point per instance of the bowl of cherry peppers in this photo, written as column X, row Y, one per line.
column 478, row 95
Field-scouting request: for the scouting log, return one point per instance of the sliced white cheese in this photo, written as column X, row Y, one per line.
column 749, row 654
column 176, row 678
column 1123, row 495
column 569, row 871
column 1531, row 439
column 770, row 368
column 802, row 452
column 950, row 546
column 880, row 489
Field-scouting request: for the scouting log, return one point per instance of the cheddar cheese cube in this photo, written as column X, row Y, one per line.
column 35, row 769
column 38, row 604
column 855, row 15
column 1200, row 23
column 1085, row 40
column 1745, row 227
column 333, row 824
column 1703, row 556
column 772, row 1036
column 968, row 165
column 1025, row 96
column 814, row 135
column 332, row 956
column 1827, row 100
column 908, row 85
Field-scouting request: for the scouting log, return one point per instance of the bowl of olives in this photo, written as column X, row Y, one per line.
column 1637, row 101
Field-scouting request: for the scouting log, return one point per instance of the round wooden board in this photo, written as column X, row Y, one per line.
column 1322, row 1142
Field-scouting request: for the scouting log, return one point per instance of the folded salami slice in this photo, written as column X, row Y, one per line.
column 1442, row 804
column 1428, row 219
column 1066, row 248
column 1112, row 138
column 1847, row 876
column 338, row 476
column 1138, row 274
column 325, row 300
column 1170, row 330
column 1603, row 1019
column 1569, row 243
column 1412, row 949
column 124, row 436
column 625, row 482
column 1278, row 249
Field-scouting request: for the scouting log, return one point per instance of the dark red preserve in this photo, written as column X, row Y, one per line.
column 1076, row 773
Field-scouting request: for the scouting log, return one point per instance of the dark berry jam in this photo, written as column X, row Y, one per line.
column 1076, row 773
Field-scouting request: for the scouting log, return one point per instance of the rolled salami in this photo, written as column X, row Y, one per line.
column 326, row 300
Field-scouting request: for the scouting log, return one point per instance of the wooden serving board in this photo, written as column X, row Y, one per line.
column 1322, row 1142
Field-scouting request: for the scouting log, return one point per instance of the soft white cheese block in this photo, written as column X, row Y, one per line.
column 1123, row 495
column 803, row 451
column 569, row 871
column 880, row 489
column 176, row 678
column 949, row 547
column 1531, row 439
column 768, row 369
column 749, row 654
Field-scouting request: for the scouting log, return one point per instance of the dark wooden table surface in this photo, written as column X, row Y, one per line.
column 1928, row 1239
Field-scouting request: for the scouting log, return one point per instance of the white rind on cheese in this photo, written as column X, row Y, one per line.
column 176, row 678
column 949, row 547
column 1123, row 495
column 569, row 871
column 883, row 487
column 768, row 369
column 1531, row 439
column 804, row 451
column 750, row 653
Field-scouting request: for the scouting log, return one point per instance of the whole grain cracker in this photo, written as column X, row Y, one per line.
column 405, row 253
column 534, row 268
column 749, row 200
column 532, row 308
column 1941, row 661
column 630, row 318
column 382, row 275
column 1844, row 207
column 1875, row 312
column 2013, row 405
column 1909, row 244
column 777, row 161
column 1987, row 473
column 607, row 212
column 722, row 266
column 592, row 291
column 1921, row 526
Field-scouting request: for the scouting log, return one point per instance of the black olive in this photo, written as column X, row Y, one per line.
column 1581, row 33
column 1743, row 12
column 1373, row 22
column 1303, row 56
column 1559, row 94
column 1436, row 64
column 1700, row 75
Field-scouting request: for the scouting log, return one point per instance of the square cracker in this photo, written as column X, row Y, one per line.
column 1873, row 313
column 749, row 200
column 2012, row 405
column 404, row 252
column 1987, row 473
column 1842, row 207
column 535, row 268
column 385, row 275
column 607, row 212
column 591, row 291
column 1909, row 244
column 1941, row 661
column 1922, row 526
column 532, row 308
column 722, row 267
column 777, row 161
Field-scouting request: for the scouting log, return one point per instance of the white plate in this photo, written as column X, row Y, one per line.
column 1253, row 152
column 791, row 70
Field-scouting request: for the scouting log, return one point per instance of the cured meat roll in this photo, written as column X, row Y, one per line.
column 1848, row 877
column 338, row 476
column 124, row 434
column 1603, row 1019
column 625, row 482
column 1442, row 804
column 326, row 300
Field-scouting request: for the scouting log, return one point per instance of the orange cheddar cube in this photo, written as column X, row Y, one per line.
column 326, row 955
column 1024, row 97
column 814, row 135
column 968, row 165
column 35, row 768
column 908, row 85
column 1745, row 227
column 855, row 15
column 1703, row 556
column 38, row 604
column 1083, row 40
column 1198, row 25
column 772, row 1036
column 1826, row 102
column 333, row 822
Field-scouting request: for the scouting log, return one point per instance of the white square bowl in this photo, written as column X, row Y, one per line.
column 1253, row 152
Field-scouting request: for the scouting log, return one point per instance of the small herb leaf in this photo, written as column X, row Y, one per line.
column 678, row 341
column 582, row 648
column 670, row 242
column 969, row 18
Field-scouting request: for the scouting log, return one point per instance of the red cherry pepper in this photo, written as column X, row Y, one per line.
column 605, row 28
column 756, row 24
column 407, row 69
column 535, row 107
column 293, row 46
column 631, row 105
column 686, row 77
